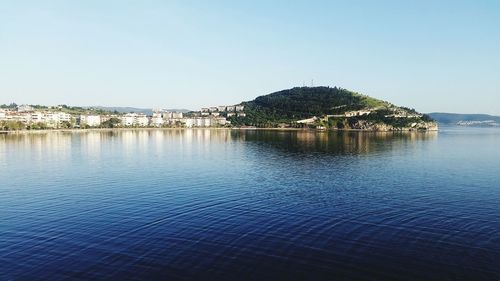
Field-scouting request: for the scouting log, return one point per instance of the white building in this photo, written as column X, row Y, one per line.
column 128, row 119
column 239, row 108
column 308, row 121
column 2, row 114
column 203, row 122
column 221, row 121
column 135, row 119
column 189, row 122
column 142, row 120
column 404, row 115
column 230, row 108
column 90, row 120
column 176, row 115
column 37, row 117
column 167, row 115
column 54, row 119
column 24, row 108
column 157, row 121
column 64, row 117
column 357, row 113
column 200, row 122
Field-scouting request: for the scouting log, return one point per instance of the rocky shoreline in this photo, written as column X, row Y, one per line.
column 381, row 127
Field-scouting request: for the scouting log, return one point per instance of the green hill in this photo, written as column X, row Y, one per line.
column 332, row 107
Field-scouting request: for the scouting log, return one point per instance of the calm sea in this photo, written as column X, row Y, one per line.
column 250, row 205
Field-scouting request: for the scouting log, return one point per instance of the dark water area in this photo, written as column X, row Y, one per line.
column 250, row 205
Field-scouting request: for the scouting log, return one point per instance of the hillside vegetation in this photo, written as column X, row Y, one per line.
column 329, row 105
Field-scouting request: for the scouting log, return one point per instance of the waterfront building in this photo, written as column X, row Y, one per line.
column 37, row 117
column 157, row 121
column 189, row 122
column 167, row 115
column 54, row 119
column 176, row 115
column 16, row 116
column 142, row 120
column 128, row 119
column 135, row 119
column 308, row 121
column 200, row 122
column 90, row 120
column 64, row 117
column 221, row 121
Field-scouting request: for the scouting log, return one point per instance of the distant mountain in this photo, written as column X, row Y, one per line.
column 146, row 111
column 327, row 107
column 466, row 119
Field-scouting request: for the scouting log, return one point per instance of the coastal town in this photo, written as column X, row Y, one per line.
column 30, row 117
column 320, row 108
column 57, row 117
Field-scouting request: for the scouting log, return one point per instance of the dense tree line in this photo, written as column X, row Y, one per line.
column 9, row 125
column 8, row 106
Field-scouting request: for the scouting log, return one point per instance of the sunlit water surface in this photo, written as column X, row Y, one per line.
column 250, row 205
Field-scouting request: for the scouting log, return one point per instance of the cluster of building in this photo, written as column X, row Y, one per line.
column 351, row 114
column 210, row 117
column 158, row 119
column 404, row 115
column 359, row 113
column 224, row 110
column 162, row 118
column 27, row 115
column 395, row 114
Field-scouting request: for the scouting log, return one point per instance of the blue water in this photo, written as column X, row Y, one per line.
column 250, row 205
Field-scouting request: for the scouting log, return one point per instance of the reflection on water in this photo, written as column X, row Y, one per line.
column 334, row 142
column 92, row 142
column 203, row 204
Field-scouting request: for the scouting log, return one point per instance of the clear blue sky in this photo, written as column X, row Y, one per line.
column 430, row 55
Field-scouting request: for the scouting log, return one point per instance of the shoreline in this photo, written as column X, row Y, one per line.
column 20, row 132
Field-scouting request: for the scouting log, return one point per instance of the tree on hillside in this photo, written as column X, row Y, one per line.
column 111, row 123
